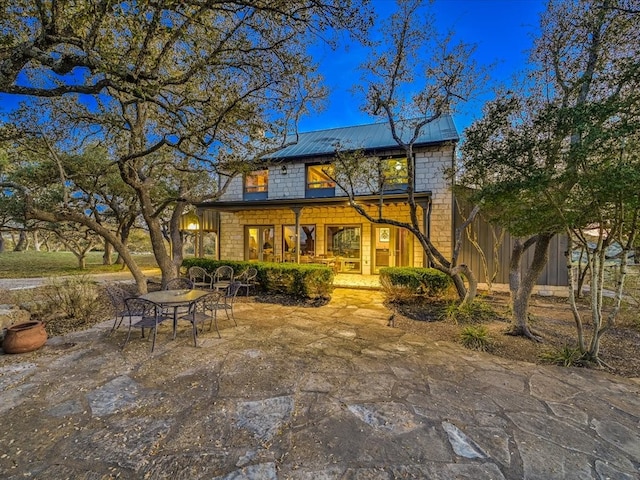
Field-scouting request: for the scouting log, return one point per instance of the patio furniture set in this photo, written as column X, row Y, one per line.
column 196, row 298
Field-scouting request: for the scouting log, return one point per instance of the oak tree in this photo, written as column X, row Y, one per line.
column 526, row 158
column 181, row 93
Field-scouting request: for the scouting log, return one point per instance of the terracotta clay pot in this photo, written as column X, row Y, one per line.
column 24, row 337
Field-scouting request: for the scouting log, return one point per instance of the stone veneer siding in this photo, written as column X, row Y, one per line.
column 429, row 177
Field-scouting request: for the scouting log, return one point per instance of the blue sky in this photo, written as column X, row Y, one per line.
column 502, row 29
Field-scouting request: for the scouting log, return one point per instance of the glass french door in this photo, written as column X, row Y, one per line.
column 343, row 247
column 392, row 247
column 307, row 235
column 259, row 242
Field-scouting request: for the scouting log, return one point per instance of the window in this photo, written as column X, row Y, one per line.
column 394, row 174
column 319, row 183
column 256, row 185
column 307, row 235
column 343, row 243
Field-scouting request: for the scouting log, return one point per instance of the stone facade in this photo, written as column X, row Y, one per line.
column 429, row 177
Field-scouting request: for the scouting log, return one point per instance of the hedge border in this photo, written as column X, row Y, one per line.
column 427, row 281
column 301, row 281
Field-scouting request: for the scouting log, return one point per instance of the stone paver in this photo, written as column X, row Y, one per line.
column 307, row 393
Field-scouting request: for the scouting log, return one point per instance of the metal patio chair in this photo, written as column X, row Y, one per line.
column 248, row 278
column 203, row 310
column 200, row 278
column 117, row 297
column 147, row 314
column 222, row 277
column 227, row 301
column 180, row 283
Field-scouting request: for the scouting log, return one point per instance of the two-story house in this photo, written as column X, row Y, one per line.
column 291, row 210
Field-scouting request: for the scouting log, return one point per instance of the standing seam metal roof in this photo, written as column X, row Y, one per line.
column 364, row 137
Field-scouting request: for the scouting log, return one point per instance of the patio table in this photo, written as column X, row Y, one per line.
column 175, row 299
column 332, row 262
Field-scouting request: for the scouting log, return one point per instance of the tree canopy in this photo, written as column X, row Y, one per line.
column 180, row 94
column 544, row 156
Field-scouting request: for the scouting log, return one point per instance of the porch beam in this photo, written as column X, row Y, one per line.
column 240, row 206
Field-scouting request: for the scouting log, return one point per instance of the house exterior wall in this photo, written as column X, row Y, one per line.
column 429, row 177
column 232, row 231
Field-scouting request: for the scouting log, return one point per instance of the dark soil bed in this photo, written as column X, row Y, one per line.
column 550, row 317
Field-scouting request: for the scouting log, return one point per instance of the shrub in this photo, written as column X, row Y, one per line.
column 475, row 338
column 401, row 283
column 211, row 265
column 74, row 297
column 565, row 356
column 303, row 281
column 474, row 312
column 396, row 293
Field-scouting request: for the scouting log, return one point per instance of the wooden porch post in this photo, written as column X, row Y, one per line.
column 200, row 233
column 297, row 211
column 426, row 226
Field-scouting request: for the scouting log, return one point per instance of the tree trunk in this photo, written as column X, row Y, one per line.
column 521, row 288
column 168, row 261
column 461, row 290
column 574, row 289
column 594, row 349
column 36, row 240
column 472, row 290
column 21, row 246
column 1, row 243
column 125, row 231
column 82, row 261
column 441, row 264
column 176, row 237
column 108, row 253
column 582, row 274
column 514, row 269
column 130, row 174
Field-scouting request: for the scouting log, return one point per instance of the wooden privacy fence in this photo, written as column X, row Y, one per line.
column 491, row 265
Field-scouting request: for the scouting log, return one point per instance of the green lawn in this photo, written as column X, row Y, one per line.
column 44, row 264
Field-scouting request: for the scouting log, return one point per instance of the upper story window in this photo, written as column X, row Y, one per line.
column 394, row 174
column 256, row 185
column 319, row 183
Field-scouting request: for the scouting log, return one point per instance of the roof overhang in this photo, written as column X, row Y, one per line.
column 391, row 150
column 244, row 205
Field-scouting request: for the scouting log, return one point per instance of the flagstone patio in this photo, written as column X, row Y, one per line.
column 307, row 393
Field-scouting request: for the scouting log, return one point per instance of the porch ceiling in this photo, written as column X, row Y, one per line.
column 243, row 205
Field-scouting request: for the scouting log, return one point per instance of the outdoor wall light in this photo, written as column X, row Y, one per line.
column 283, row 169
column 189, row 222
